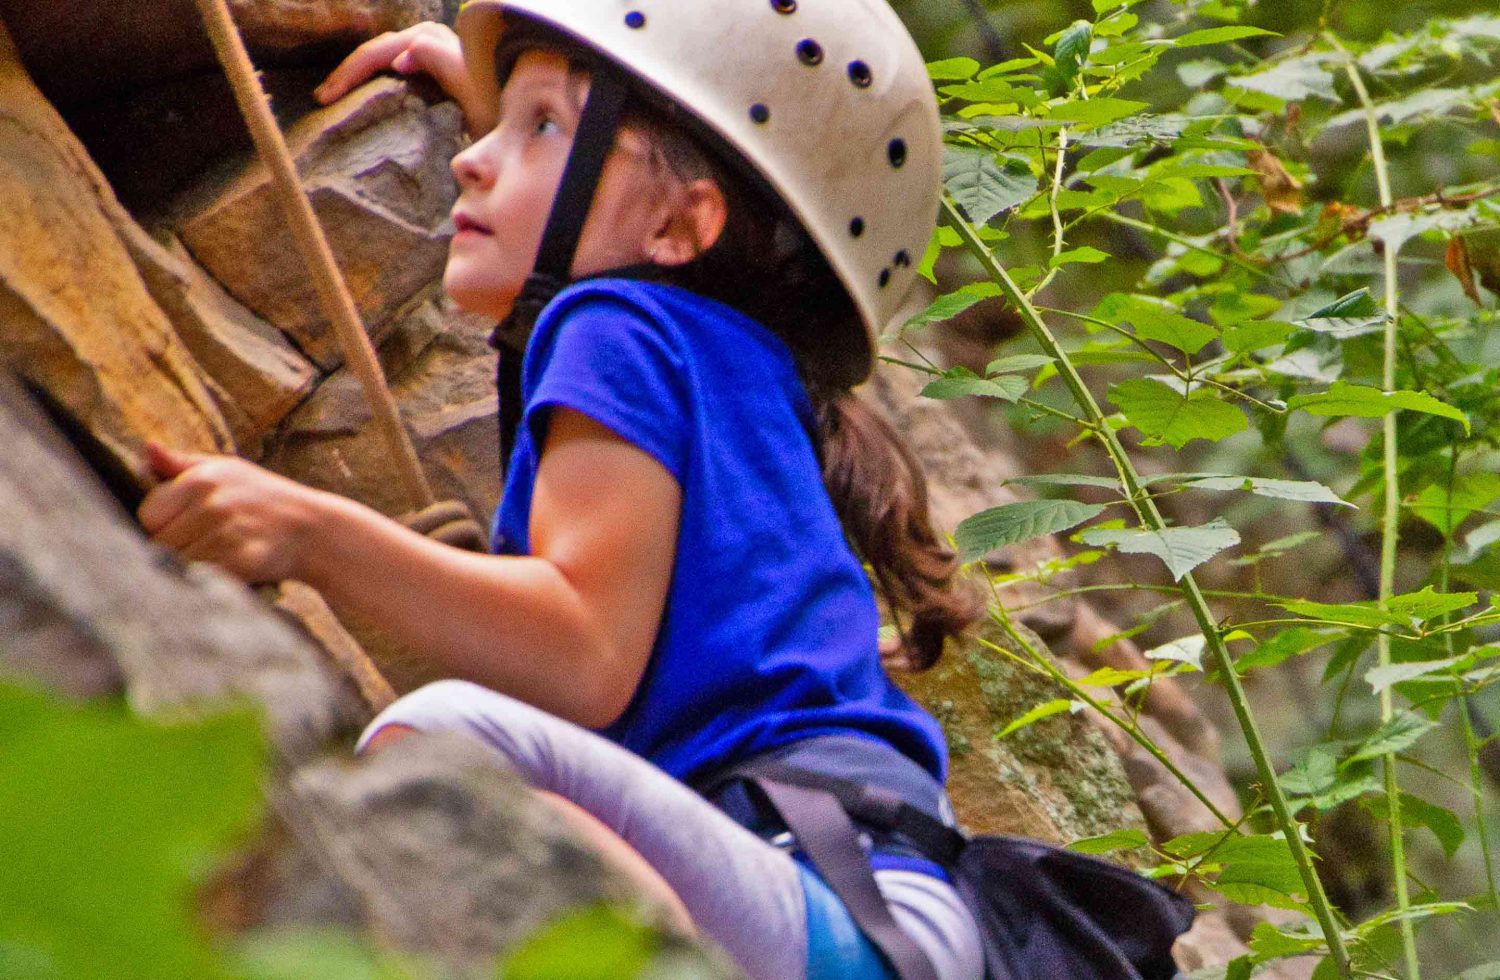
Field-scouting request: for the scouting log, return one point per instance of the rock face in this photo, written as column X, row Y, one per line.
column 375, row 169
column 78, row 319
column 429, row 844
column 81, row 50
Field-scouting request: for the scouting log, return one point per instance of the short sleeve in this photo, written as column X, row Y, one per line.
column 607, row 359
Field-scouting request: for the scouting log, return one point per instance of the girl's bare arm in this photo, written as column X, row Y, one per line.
column 569, row 629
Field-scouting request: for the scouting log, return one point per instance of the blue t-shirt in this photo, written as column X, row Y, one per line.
column 770, row 628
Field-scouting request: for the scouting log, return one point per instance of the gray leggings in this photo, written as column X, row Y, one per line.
column 741, row 891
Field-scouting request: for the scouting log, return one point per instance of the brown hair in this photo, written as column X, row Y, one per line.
column 765, row 265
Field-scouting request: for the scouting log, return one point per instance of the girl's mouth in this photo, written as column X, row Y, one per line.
column 463, row 223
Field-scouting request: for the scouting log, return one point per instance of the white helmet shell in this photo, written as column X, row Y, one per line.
column 828, row 100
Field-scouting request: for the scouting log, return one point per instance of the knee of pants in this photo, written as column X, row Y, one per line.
column 455, row 705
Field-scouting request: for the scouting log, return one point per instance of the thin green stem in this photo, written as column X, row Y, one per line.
column 1185, row 242
column 1057, row 225
column 1390, row 520
column 1151, row 518
column 1040, row 660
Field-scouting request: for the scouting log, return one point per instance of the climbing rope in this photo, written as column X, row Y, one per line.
column 446, row 521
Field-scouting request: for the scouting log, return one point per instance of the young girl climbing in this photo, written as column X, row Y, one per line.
column 702, row 216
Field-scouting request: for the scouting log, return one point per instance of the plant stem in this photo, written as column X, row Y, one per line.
column 1390, row 522
column 1047, row 667
column 1151, row 518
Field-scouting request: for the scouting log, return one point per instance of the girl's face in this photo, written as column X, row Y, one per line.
column 508, row 178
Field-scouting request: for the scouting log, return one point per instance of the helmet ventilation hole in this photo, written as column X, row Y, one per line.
column 857, row 227
column 784, row 6
column 860, row 75
column 897, row 152
column 903, row 259
column 635, row 20
column 885, row 278
column 809, row 52
column 760, row 113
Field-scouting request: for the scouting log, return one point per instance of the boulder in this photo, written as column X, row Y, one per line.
column 375, row 168
column 78, row 320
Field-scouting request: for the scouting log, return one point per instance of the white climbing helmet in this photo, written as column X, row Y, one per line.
column 828, row 100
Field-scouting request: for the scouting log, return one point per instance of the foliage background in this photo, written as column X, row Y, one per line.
column 1434, row 146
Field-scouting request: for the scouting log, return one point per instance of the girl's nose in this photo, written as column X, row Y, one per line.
column 471, row 167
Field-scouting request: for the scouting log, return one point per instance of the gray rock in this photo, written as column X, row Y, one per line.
column 78, row 584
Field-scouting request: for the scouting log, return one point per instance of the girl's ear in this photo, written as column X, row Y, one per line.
column 693, row 224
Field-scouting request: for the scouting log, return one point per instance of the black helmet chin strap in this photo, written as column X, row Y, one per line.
column 597, row 127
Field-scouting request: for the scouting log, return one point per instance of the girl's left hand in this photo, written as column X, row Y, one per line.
column 228, row 511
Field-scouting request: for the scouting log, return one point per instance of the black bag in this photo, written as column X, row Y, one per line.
column 1043, row 913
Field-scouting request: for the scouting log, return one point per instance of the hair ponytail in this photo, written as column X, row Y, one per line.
column 880, row 494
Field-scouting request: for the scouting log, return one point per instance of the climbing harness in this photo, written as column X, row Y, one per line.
column 1042, row 912
column 447, row 521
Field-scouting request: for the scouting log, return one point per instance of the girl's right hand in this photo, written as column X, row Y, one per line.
column 426, row 47
column 228, row 511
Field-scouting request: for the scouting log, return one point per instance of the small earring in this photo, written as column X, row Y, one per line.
column 651, row 254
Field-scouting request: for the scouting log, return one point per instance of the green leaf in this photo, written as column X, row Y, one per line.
column 1381, row 678
column 1071, row 52
column 1270, row 943
column 1087, row 254
column 1316, row 779
column 1292, row 80
column 1344, row 399
column 595, row 942
column 950, row 305
column 1306, row 491
column 1421, row 607
column 1445, row 826
column 1093, row 113
column 1153, row 319
column 1020, row 521
column 1118, row 840
column 952, row 69
column 1255, row 868
column 1013, row 363
column 1067, row 480
column 1396, row 735
column 960, row 382
column 1412, row 609
column 1218, row 35
column 1181, row 548
column 1166, row 415
column 1114, row 676
column 1446, row 507
column 981, row 186
column 1252, row 335
column 109, row 823
column 1036, row 714
column 1285, row 645
column 295, row 954
column 1353, row 305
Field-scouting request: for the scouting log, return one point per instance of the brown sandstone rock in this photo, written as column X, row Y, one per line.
column 375, row 168
column 442, row 375
column 76, row 317
column 256, row 376
column 80, row 50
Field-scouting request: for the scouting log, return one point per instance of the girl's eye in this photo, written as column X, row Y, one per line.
column 546, row 126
